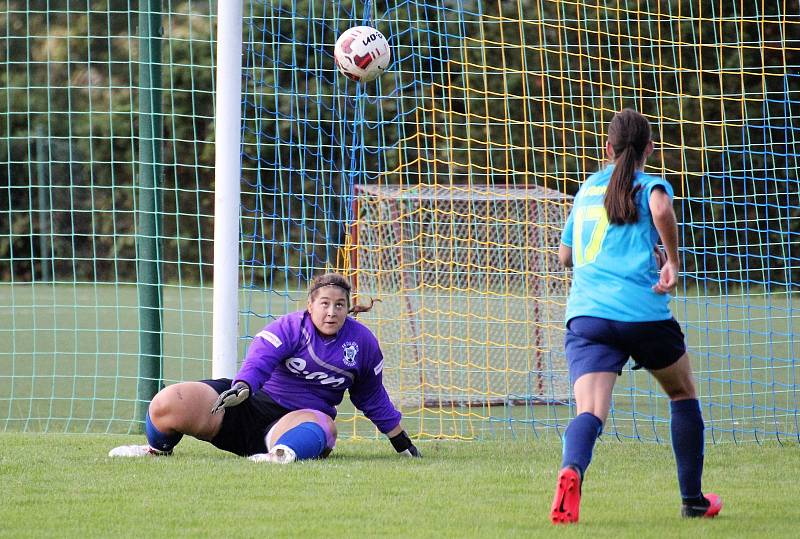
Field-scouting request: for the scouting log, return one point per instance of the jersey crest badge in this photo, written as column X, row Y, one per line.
column 350, row 350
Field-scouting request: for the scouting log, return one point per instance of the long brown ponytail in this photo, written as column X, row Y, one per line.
column 629, row 135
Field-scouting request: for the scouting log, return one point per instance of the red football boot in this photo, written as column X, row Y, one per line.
column 567, row 501
column 705, row 511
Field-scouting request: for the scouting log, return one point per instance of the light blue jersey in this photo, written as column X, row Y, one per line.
column 614, row 265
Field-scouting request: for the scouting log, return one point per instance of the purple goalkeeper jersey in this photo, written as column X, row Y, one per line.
column 299, row 368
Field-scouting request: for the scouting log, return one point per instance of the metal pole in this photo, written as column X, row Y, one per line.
column 148, row 235
column 227, row 188
column 44, row 205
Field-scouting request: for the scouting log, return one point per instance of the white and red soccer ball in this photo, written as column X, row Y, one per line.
column 362, row 53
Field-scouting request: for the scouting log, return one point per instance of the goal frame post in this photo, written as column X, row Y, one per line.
column 227, row 189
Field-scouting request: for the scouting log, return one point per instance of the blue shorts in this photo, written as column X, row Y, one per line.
column 599, row 345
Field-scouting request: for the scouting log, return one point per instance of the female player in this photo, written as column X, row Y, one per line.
column 618, row 308
column 282, row 403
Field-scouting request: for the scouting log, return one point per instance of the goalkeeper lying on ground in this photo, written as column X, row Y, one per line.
column 282, row 403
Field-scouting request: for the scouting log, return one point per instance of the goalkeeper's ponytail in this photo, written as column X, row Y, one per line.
column 356, row 309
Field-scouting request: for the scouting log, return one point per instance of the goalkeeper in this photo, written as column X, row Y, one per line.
column 618, row 307
column 281, row 405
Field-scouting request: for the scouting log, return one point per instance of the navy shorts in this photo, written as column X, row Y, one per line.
column 245, row 426
column 599, row 345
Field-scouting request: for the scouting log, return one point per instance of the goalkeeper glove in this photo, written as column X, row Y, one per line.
column 403, row 445
column 231, row 397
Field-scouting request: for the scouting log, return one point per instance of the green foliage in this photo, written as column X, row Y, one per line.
column 71, row 79
column 65, row 486
column 491, row 92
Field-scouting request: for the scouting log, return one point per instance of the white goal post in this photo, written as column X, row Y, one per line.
column 227, row 172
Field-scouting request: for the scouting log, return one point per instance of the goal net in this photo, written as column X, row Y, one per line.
column 418, row 185
column 473, row 299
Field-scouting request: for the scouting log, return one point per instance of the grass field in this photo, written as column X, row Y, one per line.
column 63, row 485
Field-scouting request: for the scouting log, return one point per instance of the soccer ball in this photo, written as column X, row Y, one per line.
column 362, row 53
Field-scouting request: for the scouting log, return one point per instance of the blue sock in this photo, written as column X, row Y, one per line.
column 687, row 443
column 159, row 440
column 579, row 440
column 307, row 440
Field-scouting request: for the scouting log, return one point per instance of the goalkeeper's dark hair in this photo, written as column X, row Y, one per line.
column 337, row 279
column 629, row 135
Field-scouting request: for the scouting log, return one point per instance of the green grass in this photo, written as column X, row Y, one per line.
column 57, row 485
